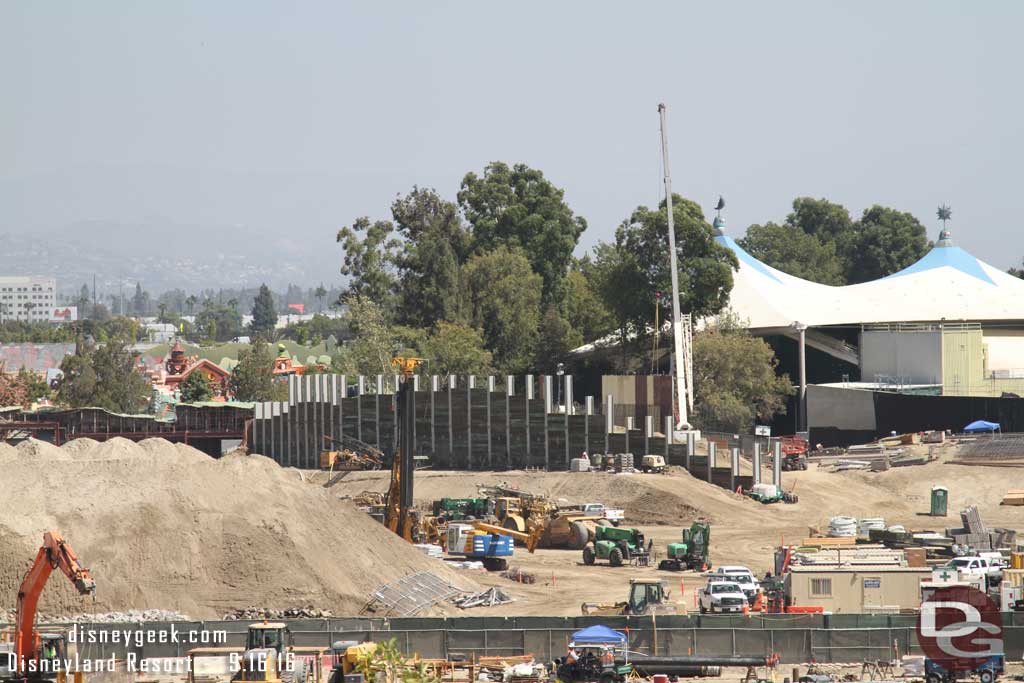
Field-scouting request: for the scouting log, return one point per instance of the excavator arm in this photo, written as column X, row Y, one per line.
column 55, row 553
column 530, row 540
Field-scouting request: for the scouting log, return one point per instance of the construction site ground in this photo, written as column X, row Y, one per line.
column 744, row 532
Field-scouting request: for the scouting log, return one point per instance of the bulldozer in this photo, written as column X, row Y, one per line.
column 646, row 596
column 691, row 552
column 270, row 657
column 618, row 545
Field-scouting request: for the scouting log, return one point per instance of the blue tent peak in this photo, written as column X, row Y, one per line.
column 598, row 635
column 947, row 256
column 982, row 426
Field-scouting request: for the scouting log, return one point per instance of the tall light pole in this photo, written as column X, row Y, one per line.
column 677, row 332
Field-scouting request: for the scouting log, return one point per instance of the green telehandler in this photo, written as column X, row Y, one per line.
column 618, row 545
column 692, row 552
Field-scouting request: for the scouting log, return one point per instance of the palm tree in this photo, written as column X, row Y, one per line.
column 320, row 293
column 162, row 307
column 28, row 310
column 191, row 302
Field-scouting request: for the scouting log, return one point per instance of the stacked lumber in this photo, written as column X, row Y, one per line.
column 1013, row 497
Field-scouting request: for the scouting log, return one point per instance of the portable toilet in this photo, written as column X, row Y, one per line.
column 940, row 500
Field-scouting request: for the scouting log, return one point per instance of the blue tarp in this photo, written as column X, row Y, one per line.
column 982, row 426
column 598, row 635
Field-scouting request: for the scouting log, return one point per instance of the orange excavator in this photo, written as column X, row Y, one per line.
column 31, row 648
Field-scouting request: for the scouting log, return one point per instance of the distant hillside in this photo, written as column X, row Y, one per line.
column 164, row 256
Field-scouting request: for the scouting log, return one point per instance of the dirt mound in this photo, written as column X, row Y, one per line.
column 164, row 525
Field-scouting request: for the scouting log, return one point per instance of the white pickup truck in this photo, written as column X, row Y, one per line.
column 722, row 597
column 974, row 565
column 614, row 515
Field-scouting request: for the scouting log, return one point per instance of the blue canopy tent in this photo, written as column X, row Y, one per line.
column 598, row 635
column 981, row 426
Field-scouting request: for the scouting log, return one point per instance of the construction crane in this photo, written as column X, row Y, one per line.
column 398, row 515
column 30, row 647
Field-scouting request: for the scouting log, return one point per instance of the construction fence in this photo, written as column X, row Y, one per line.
column 795, row 638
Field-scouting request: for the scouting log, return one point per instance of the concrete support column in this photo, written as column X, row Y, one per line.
column 435, row 386
column 376, row 409
column 490, row 451
column 757, row 462
column 510, row 384
column 549, row 401
column 734, row 469
column 669, row 435
column 567, row 388
column 529, row 397
column 648, row 433
column 451, row 427
column 802, row 399
column 712, row 455
column 609, row 421
column 691, row 448
column 470, row 385
column 360, row 390
column 588, row 410
column 777, row 463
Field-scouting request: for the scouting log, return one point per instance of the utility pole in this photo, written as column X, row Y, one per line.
column 677, row 333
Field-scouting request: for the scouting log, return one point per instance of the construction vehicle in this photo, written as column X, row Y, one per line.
column 646, row 596
column 351, row 455
column 490, row 544
column 770, row 493
column 617, row 544
column 653, row 463
column 691, row 552
column 461, row 509
column 271, row 657
column 399, row 516
column 39, row 656
column 558, row 528
column 346, row 656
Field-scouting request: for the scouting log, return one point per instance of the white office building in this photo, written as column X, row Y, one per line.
column 27, row 298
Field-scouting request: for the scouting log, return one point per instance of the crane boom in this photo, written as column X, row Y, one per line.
column 53, row 554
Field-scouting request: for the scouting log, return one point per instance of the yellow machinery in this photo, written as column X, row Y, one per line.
column 646, row 596
column 556, row 529
column 398, row 516
column 269, row 656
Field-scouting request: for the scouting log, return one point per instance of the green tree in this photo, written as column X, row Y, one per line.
column 217, row 323
column 735, row 380
column 456, row 349
column 828, row 221
column 518, row 207
column 636, row 269
column 264, row 315
column 191, row 303
column 887, row 241
column 196, row 388
column 140, row 301
column 555, row 339
column 1017, row 272
column 370, row 260
column 504, row 301
column 583, row 307
column 104, row 376
column 373, row 343
column 253, row 376
column 436, row 245
column 795, row 252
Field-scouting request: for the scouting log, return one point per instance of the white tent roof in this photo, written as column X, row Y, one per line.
column 947, row 283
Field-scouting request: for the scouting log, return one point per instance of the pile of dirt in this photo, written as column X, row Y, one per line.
column 162, row 525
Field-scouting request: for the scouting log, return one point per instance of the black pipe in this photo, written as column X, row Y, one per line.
column 687, row 671
column 695, row 660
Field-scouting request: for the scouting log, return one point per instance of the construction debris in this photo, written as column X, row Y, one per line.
column 409, row 595
column 132, row 616
column 487, row 598
column 976, row 536
column 254, row 613
column 519, row 576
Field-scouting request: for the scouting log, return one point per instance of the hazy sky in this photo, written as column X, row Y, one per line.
column 299, row 117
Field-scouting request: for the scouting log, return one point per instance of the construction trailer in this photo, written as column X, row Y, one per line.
column 857, row 589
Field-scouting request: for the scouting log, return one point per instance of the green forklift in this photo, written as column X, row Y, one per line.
column 618, row 545
column 690, row 553
column 461, row 509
